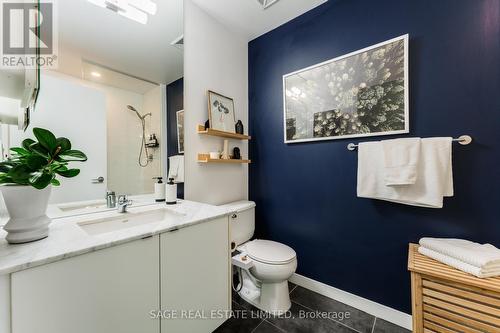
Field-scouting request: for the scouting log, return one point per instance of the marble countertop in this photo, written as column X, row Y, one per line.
column 67, row 239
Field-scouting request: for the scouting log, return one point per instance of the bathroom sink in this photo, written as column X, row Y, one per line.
column 127, row 220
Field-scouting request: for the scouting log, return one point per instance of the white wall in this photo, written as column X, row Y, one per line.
column 71, row 110
column 9, row 110
column 125, row 176
column 215, row 58
column 153, row 104
column 123, row 140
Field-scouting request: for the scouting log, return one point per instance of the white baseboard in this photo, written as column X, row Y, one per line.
column 375, row 309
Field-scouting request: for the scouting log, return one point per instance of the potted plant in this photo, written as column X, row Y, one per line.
column 27, row 178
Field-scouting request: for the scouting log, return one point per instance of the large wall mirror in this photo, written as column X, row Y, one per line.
column 115, row 94
column 19, row 73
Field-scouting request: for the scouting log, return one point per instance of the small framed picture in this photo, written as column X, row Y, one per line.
column 180, row 131
column 221, row 112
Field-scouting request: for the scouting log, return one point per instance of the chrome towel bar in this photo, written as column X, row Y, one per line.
column 463, row 140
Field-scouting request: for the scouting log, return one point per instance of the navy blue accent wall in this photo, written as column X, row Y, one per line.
column 306, row 193
column 175, row 102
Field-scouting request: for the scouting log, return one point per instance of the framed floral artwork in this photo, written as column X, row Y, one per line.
column 221, row 112
column 363, row 93
column 180, row 131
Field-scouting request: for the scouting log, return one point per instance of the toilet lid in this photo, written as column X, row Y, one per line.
column 270, row 252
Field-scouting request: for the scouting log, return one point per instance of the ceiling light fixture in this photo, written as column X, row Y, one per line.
column 136, row 10
column 95, row 74
column 267, row 3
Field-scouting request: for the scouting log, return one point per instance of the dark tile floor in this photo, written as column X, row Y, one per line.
column 310, row 312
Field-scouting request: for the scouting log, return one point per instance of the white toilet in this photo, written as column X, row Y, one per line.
column 267, row 265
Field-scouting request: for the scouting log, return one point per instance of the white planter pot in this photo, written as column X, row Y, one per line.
column 27, row 209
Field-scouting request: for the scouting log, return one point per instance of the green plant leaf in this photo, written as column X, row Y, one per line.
column 39, row 149
column 4, row 179
column 64, row 143
column 42, row 181
column 55, row 182
column 53, row 167
column 20, row 172
column 59, row 166
column 36, row 162
column 73, row 155
column 6, row 166
column 35, row 176
column 27, row 143
column 20, row 151
column 45, row 138
column 68, row 173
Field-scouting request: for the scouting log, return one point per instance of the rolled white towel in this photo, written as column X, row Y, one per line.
column 460, row 265
column 484, row 256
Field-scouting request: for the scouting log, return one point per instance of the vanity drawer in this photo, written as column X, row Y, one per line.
column 445, row 300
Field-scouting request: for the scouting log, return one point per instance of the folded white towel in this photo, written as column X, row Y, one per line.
column 401, row 157
column 434, row 181
column 458, row 264
column 176, row 168
column 485, row 256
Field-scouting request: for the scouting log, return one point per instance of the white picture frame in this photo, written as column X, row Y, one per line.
column 316, row 123
column 179, row 116
column 221, row 112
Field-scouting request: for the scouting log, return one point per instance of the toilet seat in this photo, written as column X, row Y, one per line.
column 270, row 252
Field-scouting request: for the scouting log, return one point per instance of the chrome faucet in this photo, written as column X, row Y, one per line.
column 123, row 203
column 110, row 199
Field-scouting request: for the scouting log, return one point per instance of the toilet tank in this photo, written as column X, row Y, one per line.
column 242, row 221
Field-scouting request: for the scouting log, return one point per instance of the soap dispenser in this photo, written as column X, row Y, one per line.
column 171, row 192
column 159, row 190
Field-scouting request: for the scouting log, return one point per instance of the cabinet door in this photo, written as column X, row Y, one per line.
column 195, row 276
column 110, row 290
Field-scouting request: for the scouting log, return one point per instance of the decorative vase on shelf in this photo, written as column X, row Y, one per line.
column 239, row 127
column 27, row 209
column 225, row 151
column 236, row 153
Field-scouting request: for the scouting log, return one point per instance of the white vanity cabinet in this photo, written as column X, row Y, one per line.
column 110, row 290
column 127, row 288
column 195, row 277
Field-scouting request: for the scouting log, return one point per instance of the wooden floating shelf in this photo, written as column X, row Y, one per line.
column 213, row 132
column 205, row 158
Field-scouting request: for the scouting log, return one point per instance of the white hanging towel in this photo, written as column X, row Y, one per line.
column 485, row 256
column 401, row 157
column 176, row 168
column 434, row 181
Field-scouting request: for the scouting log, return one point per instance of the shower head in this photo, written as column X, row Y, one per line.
column 131, row 108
